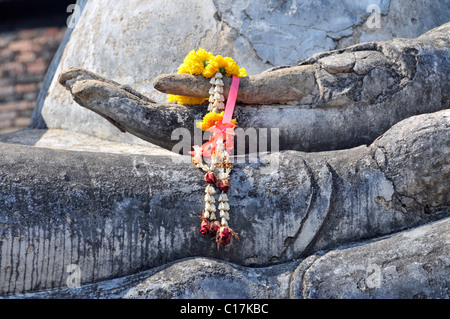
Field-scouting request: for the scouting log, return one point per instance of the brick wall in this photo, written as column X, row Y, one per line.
column 24, row 58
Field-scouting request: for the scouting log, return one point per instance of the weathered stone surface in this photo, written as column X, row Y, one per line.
column 74, row 141
column 302, row 28
column 331, row 105
column 114, row 215
column 134, row 41
column 203, row 278
column 411, row 264
column 193, row 278
column 397, row 162
column 117, row 214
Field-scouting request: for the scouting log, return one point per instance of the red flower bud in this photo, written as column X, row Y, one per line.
column 214, row 227
column 223, row 236
column 204, row 227
column 210, row 178
column 223, row 185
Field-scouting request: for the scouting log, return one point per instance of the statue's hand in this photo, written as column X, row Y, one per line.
column 280, row 86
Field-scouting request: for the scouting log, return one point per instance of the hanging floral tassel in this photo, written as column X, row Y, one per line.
column 221, row 125
column 219, row 170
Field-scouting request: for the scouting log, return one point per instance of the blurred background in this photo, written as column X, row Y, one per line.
column 30, row 33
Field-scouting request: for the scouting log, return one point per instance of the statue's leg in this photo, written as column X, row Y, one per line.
column 114, row 215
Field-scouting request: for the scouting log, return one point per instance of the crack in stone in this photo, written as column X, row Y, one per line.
column 396, row 195
column 312, row 200
column 220, row 19
column 253, row 51
column 297, row 278
column 290, row 240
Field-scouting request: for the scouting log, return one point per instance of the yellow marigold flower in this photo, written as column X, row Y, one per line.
column 183, row 68
column 210, row 119
column 231, row 67
column 227, row 66
column 187, row 100
column 195, row 62
column 204, row 56
column 192, row 64
column 242, row 73
column 205, row 63
column 217, row 64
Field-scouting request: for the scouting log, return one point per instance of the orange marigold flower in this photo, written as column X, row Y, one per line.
column 187, row 100
column 210, row 119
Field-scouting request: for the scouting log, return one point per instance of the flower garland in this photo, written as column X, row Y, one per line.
column 202, row 62
column 218, row 121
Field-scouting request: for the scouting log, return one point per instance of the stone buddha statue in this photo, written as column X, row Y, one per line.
column 350, row 201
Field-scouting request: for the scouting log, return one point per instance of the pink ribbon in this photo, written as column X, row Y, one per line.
column 231, row 100
column 224, row 130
